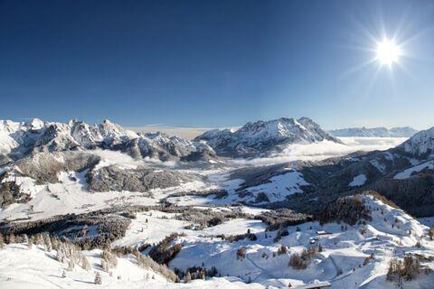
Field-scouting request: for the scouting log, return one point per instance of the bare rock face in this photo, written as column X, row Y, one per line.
column 113, row 178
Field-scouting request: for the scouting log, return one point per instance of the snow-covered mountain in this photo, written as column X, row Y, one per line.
column 373, row 132
column 421, row 143
column 18, row 139
column 261, row 138
column 404, row 174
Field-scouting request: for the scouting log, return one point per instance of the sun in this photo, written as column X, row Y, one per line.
column 388, row 52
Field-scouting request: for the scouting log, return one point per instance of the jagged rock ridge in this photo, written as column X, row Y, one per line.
column 25, row 138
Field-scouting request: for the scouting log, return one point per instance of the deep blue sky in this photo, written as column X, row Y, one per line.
column 215, row 63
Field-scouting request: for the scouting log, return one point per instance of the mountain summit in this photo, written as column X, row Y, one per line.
column 261, row 138
column 19, row 139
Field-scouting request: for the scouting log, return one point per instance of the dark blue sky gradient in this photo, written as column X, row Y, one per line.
column 214, row 63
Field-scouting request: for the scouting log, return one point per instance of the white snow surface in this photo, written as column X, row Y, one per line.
column 358, row 181
column 416, row 169
column 280, row 186
column 23, row 268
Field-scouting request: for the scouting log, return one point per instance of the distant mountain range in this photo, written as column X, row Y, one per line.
column 260, row 138
column 18, row 139
column 373, row 132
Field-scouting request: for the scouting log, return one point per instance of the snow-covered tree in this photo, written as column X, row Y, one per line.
column 2, row 242
column 25, row 239
column 98, row 280
column 30, row 243
column 47, row 242
column 187, row 277
column 71, row 265
column 109, row 259
column 60, row 256
column 85, row 263
column 11, row 239
column 104, row 265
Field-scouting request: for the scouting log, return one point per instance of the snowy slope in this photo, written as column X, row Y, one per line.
column 21, row 268
column 390, row 233
column 279, row 187
column 421, row 143
column 416, row 169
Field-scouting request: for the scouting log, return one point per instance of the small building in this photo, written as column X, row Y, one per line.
column 321, row 233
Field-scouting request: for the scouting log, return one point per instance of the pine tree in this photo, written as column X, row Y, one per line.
column 2, row 242
column 60, row 256
column 55, row 243
column 47, row 242
column 63, row 274
column 71, row 265
column 98, row 280
column 104, row 265
column 30, row 243
column 187, row 277
column 85, row 263
column 25, row 239
column 11, row 239
column 39, row 239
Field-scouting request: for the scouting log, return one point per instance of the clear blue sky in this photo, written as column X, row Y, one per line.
column 215, row 63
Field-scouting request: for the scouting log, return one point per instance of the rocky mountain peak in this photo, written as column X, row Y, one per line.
column 22, row 139
column 263, row 137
